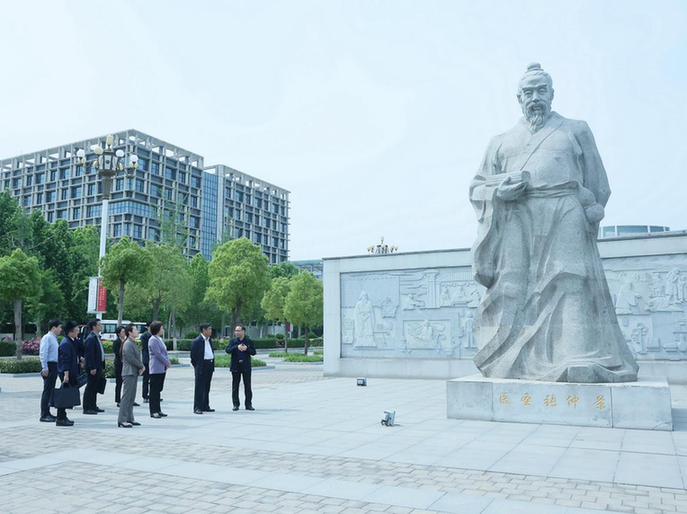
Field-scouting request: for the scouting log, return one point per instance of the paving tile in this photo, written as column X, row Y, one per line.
column 461, row 504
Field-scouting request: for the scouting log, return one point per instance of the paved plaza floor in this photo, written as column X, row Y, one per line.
column 317, row 445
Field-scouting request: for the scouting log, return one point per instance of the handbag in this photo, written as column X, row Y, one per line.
column 101, row 385
column 66, row 397
column 81, row 379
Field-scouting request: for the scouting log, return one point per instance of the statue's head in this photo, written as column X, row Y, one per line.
column 535, row 94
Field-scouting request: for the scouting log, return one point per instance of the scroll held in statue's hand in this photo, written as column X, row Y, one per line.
column 515, row 178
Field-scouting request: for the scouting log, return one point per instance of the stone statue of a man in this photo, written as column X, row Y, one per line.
column 539, row 196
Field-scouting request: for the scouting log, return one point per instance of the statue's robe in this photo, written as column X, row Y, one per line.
column 547, row 313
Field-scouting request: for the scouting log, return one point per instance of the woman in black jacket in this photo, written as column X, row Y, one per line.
column 117, row 350
column 67, row 367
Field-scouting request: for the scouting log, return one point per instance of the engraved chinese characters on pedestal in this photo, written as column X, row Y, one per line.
column 423, row 314
column 650, row 299
column 547, row 313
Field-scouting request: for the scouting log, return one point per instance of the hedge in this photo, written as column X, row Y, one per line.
column 20, row 366
column 296, row 357
column 224, row 361
column 7, row 348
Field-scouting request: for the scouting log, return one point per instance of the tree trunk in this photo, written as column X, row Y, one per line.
column 286, row 337
column 174, row 332
column 156, row 309
column 306, row 342
column 18, row 327
column 120, row 315
column 224, row 322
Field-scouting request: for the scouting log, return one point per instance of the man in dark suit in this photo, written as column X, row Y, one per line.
column 203, row 361
column 68, row 367
column 241, row 348
column 95, row 367
column 146, row 362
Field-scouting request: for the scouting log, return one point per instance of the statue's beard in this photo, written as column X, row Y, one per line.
column 536, row 115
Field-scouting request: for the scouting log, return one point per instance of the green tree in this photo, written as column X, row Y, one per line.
column 303, row 305
column 20, row 280
column 273, row 304
column 238, row 277
column 283, row 269
column 9, row 211
column 167, row 283
column 83, row 259
column 198, row 309
column 49, row 304
column 126, row 262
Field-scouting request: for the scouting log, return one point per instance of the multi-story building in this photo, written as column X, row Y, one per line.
column 630, row 230
column 212, row 204
column 314, row 266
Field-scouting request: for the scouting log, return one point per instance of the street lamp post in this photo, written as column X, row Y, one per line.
column 381, row 248
column 110, row 164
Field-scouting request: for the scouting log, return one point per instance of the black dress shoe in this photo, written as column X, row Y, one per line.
column 145, row 400
column 136, row 404
column 209, row 410
column 249, row 407
column 162, row 414
column 47, row 419
column 90, row 412
column 126, row 424
column 64, row 423
column 197, row 411
column 98, row 409
column 117, row 404
column 156, row 415
column 135, row 423
column 235, row 407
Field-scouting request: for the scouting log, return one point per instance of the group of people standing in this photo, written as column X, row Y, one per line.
column 76, row 362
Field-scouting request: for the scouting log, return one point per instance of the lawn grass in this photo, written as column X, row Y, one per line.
column 224, row 361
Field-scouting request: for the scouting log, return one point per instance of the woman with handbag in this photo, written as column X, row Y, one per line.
column 68, row 370
column 132, row 368
column 159, row 364
column 120, row 337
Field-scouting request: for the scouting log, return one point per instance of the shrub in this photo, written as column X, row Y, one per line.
column 184, row 345
column 295, row 357
column 278, row 354
column 191, row 334
column 312, row 335
column 224, row 361
column 174, row 360
column 7, row 348
column 107, row 345
column 31, row 347
column 20, row 366
column 319, row 352
column 109, row 369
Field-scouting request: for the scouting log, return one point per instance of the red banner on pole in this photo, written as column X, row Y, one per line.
column 102, row 296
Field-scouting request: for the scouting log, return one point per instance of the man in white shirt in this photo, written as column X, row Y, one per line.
column 48, row 357
column 203, row 361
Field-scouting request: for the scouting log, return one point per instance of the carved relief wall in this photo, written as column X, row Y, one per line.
column 429, row 313
column 421, row 314
column 650, row 298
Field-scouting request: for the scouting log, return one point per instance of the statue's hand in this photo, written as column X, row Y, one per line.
column 508, row 191
column 594, row 213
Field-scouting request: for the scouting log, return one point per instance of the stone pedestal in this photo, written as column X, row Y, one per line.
column 644, row 404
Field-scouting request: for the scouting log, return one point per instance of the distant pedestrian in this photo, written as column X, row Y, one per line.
column 241, row 348
column 68, row 367
column 120, row 337
column 203, row 362
column 132, row 368
column 146, row 361
column 159, row 364
column 95, row 367
column 48, row 356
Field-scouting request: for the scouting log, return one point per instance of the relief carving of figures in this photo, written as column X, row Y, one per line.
column 673, row 286
column 413, row 303
column 445, row 296
column 627, row 299
column 364, row 321
column 469, row 336
column 424, row 334
column 657, row 289
column 683, row 288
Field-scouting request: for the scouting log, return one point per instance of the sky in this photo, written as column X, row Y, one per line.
column 374, row 114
